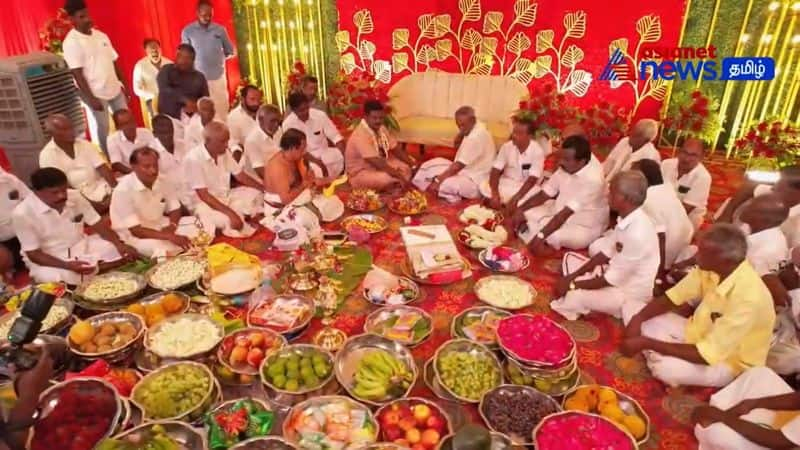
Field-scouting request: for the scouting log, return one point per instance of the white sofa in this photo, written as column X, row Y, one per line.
column 424, row 103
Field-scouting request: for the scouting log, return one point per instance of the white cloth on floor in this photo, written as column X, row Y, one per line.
column 622, row 157
column 693, row 188
column 669, row 216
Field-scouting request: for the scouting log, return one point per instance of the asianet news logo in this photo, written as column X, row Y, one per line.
column 687, row 63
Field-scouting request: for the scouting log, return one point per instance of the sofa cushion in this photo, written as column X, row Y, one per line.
column 440, row 132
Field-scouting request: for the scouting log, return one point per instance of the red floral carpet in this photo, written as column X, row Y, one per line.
column 598, row 336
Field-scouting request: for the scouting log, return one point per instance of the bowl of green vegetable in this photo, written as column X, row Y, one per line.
column 176, row 391
column 466, row 369
column 404, row 324
column 162, row 435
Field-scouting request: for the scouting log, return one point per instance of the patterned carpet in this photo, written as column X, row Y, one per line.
column 598, row 336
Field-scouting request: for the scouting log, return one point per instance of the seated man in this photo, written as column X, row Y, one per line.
column 787, row 188
column 462, row 177
column 145, row 212
column 50, row 228
column 171, row 153
column 242, row 119
column 263, row 142
column 288, row 184
column 637, row 146
column 570, row 210
column 784, row 356
column 673, row 226
column 12, row 192
column 164, row 131
column 632, row 260
column 209, row 168
column 126, row 139
column 517, row 168
column 80, row 160
column 689, row 177
column 743, row 415
column 193, row 134
column 374, row 160
column 729, row 330
column 319, row 130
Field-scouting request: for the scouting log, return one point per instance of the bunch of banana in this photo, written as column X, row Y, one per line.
column 379, row 375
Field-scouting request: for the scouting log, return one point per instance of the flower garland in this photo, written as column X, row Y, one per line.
column 51, row 36
column 349, row 92
column 605, row 123
column 698, row 116
column 295, row 77
column 770, row 144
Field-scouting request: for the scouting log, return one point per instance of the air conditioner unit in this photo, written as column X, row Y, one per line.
column 32, row 87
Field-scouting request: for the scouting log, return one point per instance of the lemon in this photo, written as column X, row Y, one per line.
column 612, row 411
column 635, row 425
column 81, row 333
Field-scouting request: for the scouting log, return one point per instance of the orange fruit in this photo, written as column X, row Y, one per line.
column 81, row 333
column 171, row 303
column 136, row 308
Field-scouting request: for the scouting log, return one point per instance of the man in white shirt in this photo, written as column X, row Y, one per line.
column 638, row 145
column 193, row 132
column 50, row 228
column 146, row 212
column 12, row 192
column 93, row 62
column 145, row 73
column 570, row 211
column 86, row 169
column 319, row 129
column 462, row 177
column 164, row 131
column 209, row 168
column 263, row 142
column 126, row 139
column 744, row 415
column 632, row 262
column 690, row 178
column 242, row 119
column 516, row 169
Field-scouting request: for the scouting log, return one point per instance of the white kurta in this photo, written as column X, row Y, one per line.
column 758, row 382
column 669, row 217
column 12, row 193
column 583, row 193
column 61, row 235
column 631, row 271
column 693, row 188
column 319, row 129
column 240, row 124
column 516, row 167
column 120, row 148
column 476, row 153
column 622, row 157
column 81, row 172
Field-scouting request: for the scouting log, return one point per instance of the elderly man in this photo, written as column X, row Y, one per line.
column 209, row 168
column 729, row 330
column 263, row 142
column 146, row 212
column 689, row 177
column 632, row 262
column 144, row 76
column 242, row 120
column 193, row 133
column 570, row 211
column 516, row 170
column 637, row 146
column 462, row 177
column 50, row 228
column 172, row 150
column 213, row 47
column 319, row 130
column 180, row 85
column 95, row 66
column 374, row 160
column 81, row 161
column 744, row 415
column 126, row 139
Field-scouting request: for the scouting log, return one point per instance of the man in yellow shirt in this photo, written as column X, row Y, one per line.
column 731, row 321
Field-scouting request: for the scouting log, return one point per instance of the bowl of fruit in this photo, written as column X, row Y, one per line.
column 555, row 386
column 297, row 369
column 112, row 336
column 155, row 308
column 374, row 369
column 243, row 350
column 364, row 200
column 264, row 443
column 515, row 411
column 411, row 203
column 404, row 324
column 478, row 324
column 411, row 421
column 466, row 369
column 162, row 434
column 578, row 430
column 535, row 340
column 330, row 422
column 612, row 404
column 495, row 440
column 177, row 391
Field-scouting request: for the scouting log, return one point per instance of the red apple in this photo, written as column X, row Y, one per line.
column 238, row 355
column 421, row 413
column 256, row 339
column 255, row 356
column 242, row 341
column 430, row 438
column 390, row 418
column 436, row 422
column 407, row 424
column 393, row 433
column 418, row 446
column 413, row 435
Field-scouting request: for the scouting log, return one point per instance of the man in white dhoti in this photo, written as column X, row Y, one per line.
column 744, row 415
column 784, row 356
column 319, row 130
column 516, row 169
column 80, row 160
column 462, row 177
column 690, row 178
column 242, row 119
column 729, row 330
column 146, row 213
column 50, row 228
column 127, row 138
column 264, row 141
column 570, row 211
column 209, row 168
column 631, row 258
column 637, row 146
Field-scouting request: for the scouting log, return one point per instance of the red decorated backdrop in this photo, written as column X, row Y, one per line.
column 567, row 43
column 126, row 22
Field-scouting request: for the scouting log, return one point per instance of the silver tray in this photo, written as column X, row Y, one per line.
column 379, row 316
column 140, row 285
column 179, row 431
column 149, row 274
column 151, row 332
column 120, row 353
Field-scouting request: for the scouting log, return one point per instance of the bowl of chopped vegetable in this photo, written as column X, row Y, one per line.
column 176, row 391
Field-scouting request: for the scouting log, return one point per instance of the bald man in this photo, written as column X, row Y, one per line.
column 690, row 178
column 209, row 168
column 263, row 142
column 193, row 133
column 82, row 162
column 462, row 177
column 638, row 145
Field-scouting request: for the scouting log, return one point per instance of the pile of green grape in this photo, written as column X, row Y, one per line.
column 468, row 375
column 173, row 392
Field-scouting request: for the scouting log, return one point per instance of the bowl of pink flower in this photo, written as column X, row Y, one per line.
column 573, row 430
column 536, row 341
